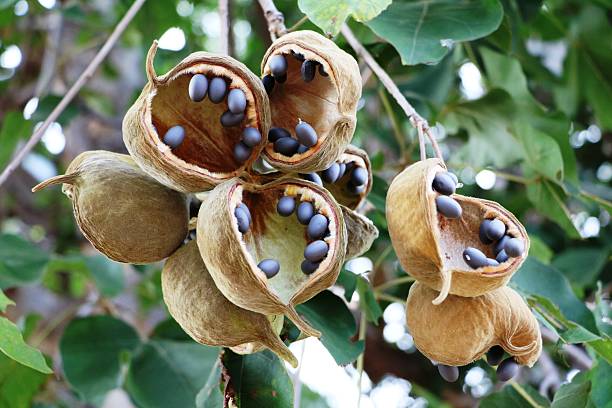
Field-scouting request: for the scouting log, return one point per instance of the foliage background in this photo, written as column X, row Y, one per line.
column 520, row 96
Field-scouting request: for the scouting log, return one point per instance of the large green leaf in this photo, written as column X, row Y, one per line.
column 549, row 199
column 258, row 380
column 572, row 395
column 509, row 397
column 14, row 128
column 367, row 301
column 328, row 313
column 166, row 373
column 582, row 265
column 541, row 152
column 20, row 261
column 423, row 31
column 107, row 274
column 91, row 350
column 329, row 15
column 13, row 345
column 18, row 384
column 601, row 378
column 210, row 395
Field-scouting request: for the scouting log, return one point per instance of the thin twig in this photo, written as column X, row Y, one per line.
column 390, row 298
column 524, row 394
column 422, row 150
column 276, row 19
column 363, row 323
column 298, row 24
column 224, row 17
column 385, row 79
column 393, row 282
column 85, row 76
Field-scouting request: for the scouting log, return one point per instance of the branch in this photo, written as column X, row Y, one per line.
column 224, row 16
column 85, row 76
column 276, row 19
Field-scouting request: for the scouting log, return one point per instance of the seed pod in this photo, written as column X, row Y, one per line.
column 431, row 248
column 206, row 315
column 462, row 329
column 205, row 158
column 328, row 104
column 232, row 257
column 123, row 212
column 361, row 233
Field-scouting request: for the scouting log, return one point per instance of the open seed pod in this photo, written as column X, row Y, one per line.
column 174, row 130
column 122, row 211
column 314, row 87
column 206, row 315
column 462, row 329
column 264, row 252
column 431, row 246
column 361, row 233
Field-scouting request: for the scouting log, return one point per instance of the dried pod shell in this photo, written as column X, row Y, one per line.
column 206, row 315
column 122, row 211
column 327, row 103
column 361, row 233
column 206, row 156
column 462, row 329
column 232, row 257
column 341, row 188
column 430, row 246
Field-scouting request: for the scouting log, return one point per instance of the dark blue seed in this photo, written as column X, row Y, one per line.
column 217, row 90
column 236, row 101
column 309, row 267
column 229, row 119
column 492, row 262
column 251, row 136
column 314, row 177
column 482, row 232
column 278, row 65
column 270, row 267
column 359, row 176
column 268, row 83
column 286, row 146
column 443, row 183
column 448, row 207
column 308, row 70
column 355, row 190
column 298, row 56
column 276, row 133
column 514, row 247
column 306, row 134
column 281, row 79
column 448, row 373
column 302, row 149
column 242, row 152
column 246, row 210
column 174, row 136
column 474, row 258
column 305, row 212
column 243, row 220
column 495, row 230
column 454, row 177
column 285, row 206
column 316, row 251
column 502, row 256
column 322, row 71
column 341, row 171
column 198, row 86
column 499, row 245
column 507, row 369
column 495, row 355
column 317, row 227
column 331, row 173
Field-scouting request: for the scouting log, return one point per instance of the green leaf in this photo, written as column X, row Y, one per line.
column 107, row 274
column 572, row 395
column 582, row 265
column 5, row 301
column 539, row 250
column 367, row 300
column 20, row 261
column 508, row 397
column 163, row 365
column 258, row 380
column 14, row 128
column 329, row 314
column 601, row 378
column 12, row 344
column 422, row 31
column 18, row 384
column 541, row 152
column 602, row 313
column 91, row 350
column 310, row 399
column 329, row 15
column 549, row 200
column 348, row 280
column 210, row 395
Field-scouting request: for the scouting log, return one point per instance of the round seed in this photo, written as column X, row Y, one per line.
column 495, row 355
column 502, row 256
column 314, row 177
column 242, row 152
column 474, row 258
column 278, row 65
column 448, row 373
column 243, row 220
column 359, row 176
column 305, row 212
column 286, row 146
column 499, row 245
column 492, row 262
column 236, row 101
column 306, row 134
column 331, row 173
column 217, row 88
column 482, row 232
column 285, row 206
column 302, row 149
column 443, row 183
column 448, row 207
column 174, row 136
column 514, row 247
column 246, row 210
column 309, row 267
column 317, row 226
column 355, row 190
column 454, row 177
column 507, row 369
column 341, row 171
column 268, row 83
column 495, row 230
column 198, row 87
column 270, row 267
column 276, row 133
column 229, row 119
column 322, row 71
column 251, row 136
column 308, row 70
column 316, row 251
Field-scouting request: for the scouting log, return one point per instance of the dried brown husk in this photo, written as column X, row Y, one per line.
column 340, row 190
column 462, row 329
column 205, row 158
column 429, row 246
column 361, row 233
column 122, row 211
column 232, row 257
column 328, row 104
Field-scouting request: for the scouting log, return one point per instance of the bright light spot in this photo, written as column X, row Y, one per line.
column 485, row 179
column 394, row 313
column 21, row 8
column 590, row 228
column 406, row 343
column 471, row 81
column 184, row 8
column 447, row 43
column 241, row 30
column 604, row 218
column 211, row 25
column 30, row 108
column 173, row 39
column 467, row 175
column 474, row 376
column 604, row 172
column 552, row 53
column 48, row 4
column 594, row 134
column 11, row 57
column 53, row 139
column 360, row 265
column 393, row 392
column 483, row 388
column 439, row 131
column 571, row 374
column 39, row 167
column 393, row 332
column 578, row 138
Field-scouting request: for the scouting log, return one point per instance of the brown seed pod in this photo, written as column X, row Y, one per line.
column 206, row 315
column 361, row 233
column 123, row 212
column 327, row 102
column 462, row 329
column 430, row 246
column 206, row 155
column 234, row 258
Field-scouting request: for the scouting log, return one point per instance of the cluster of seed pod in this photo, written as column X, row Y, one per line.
column 462, row 251
column 240, row 262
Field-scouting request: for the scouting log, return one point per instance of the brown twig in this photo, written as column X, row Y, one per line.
column 224, row 16
column 85, row 76
column 276, row 19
